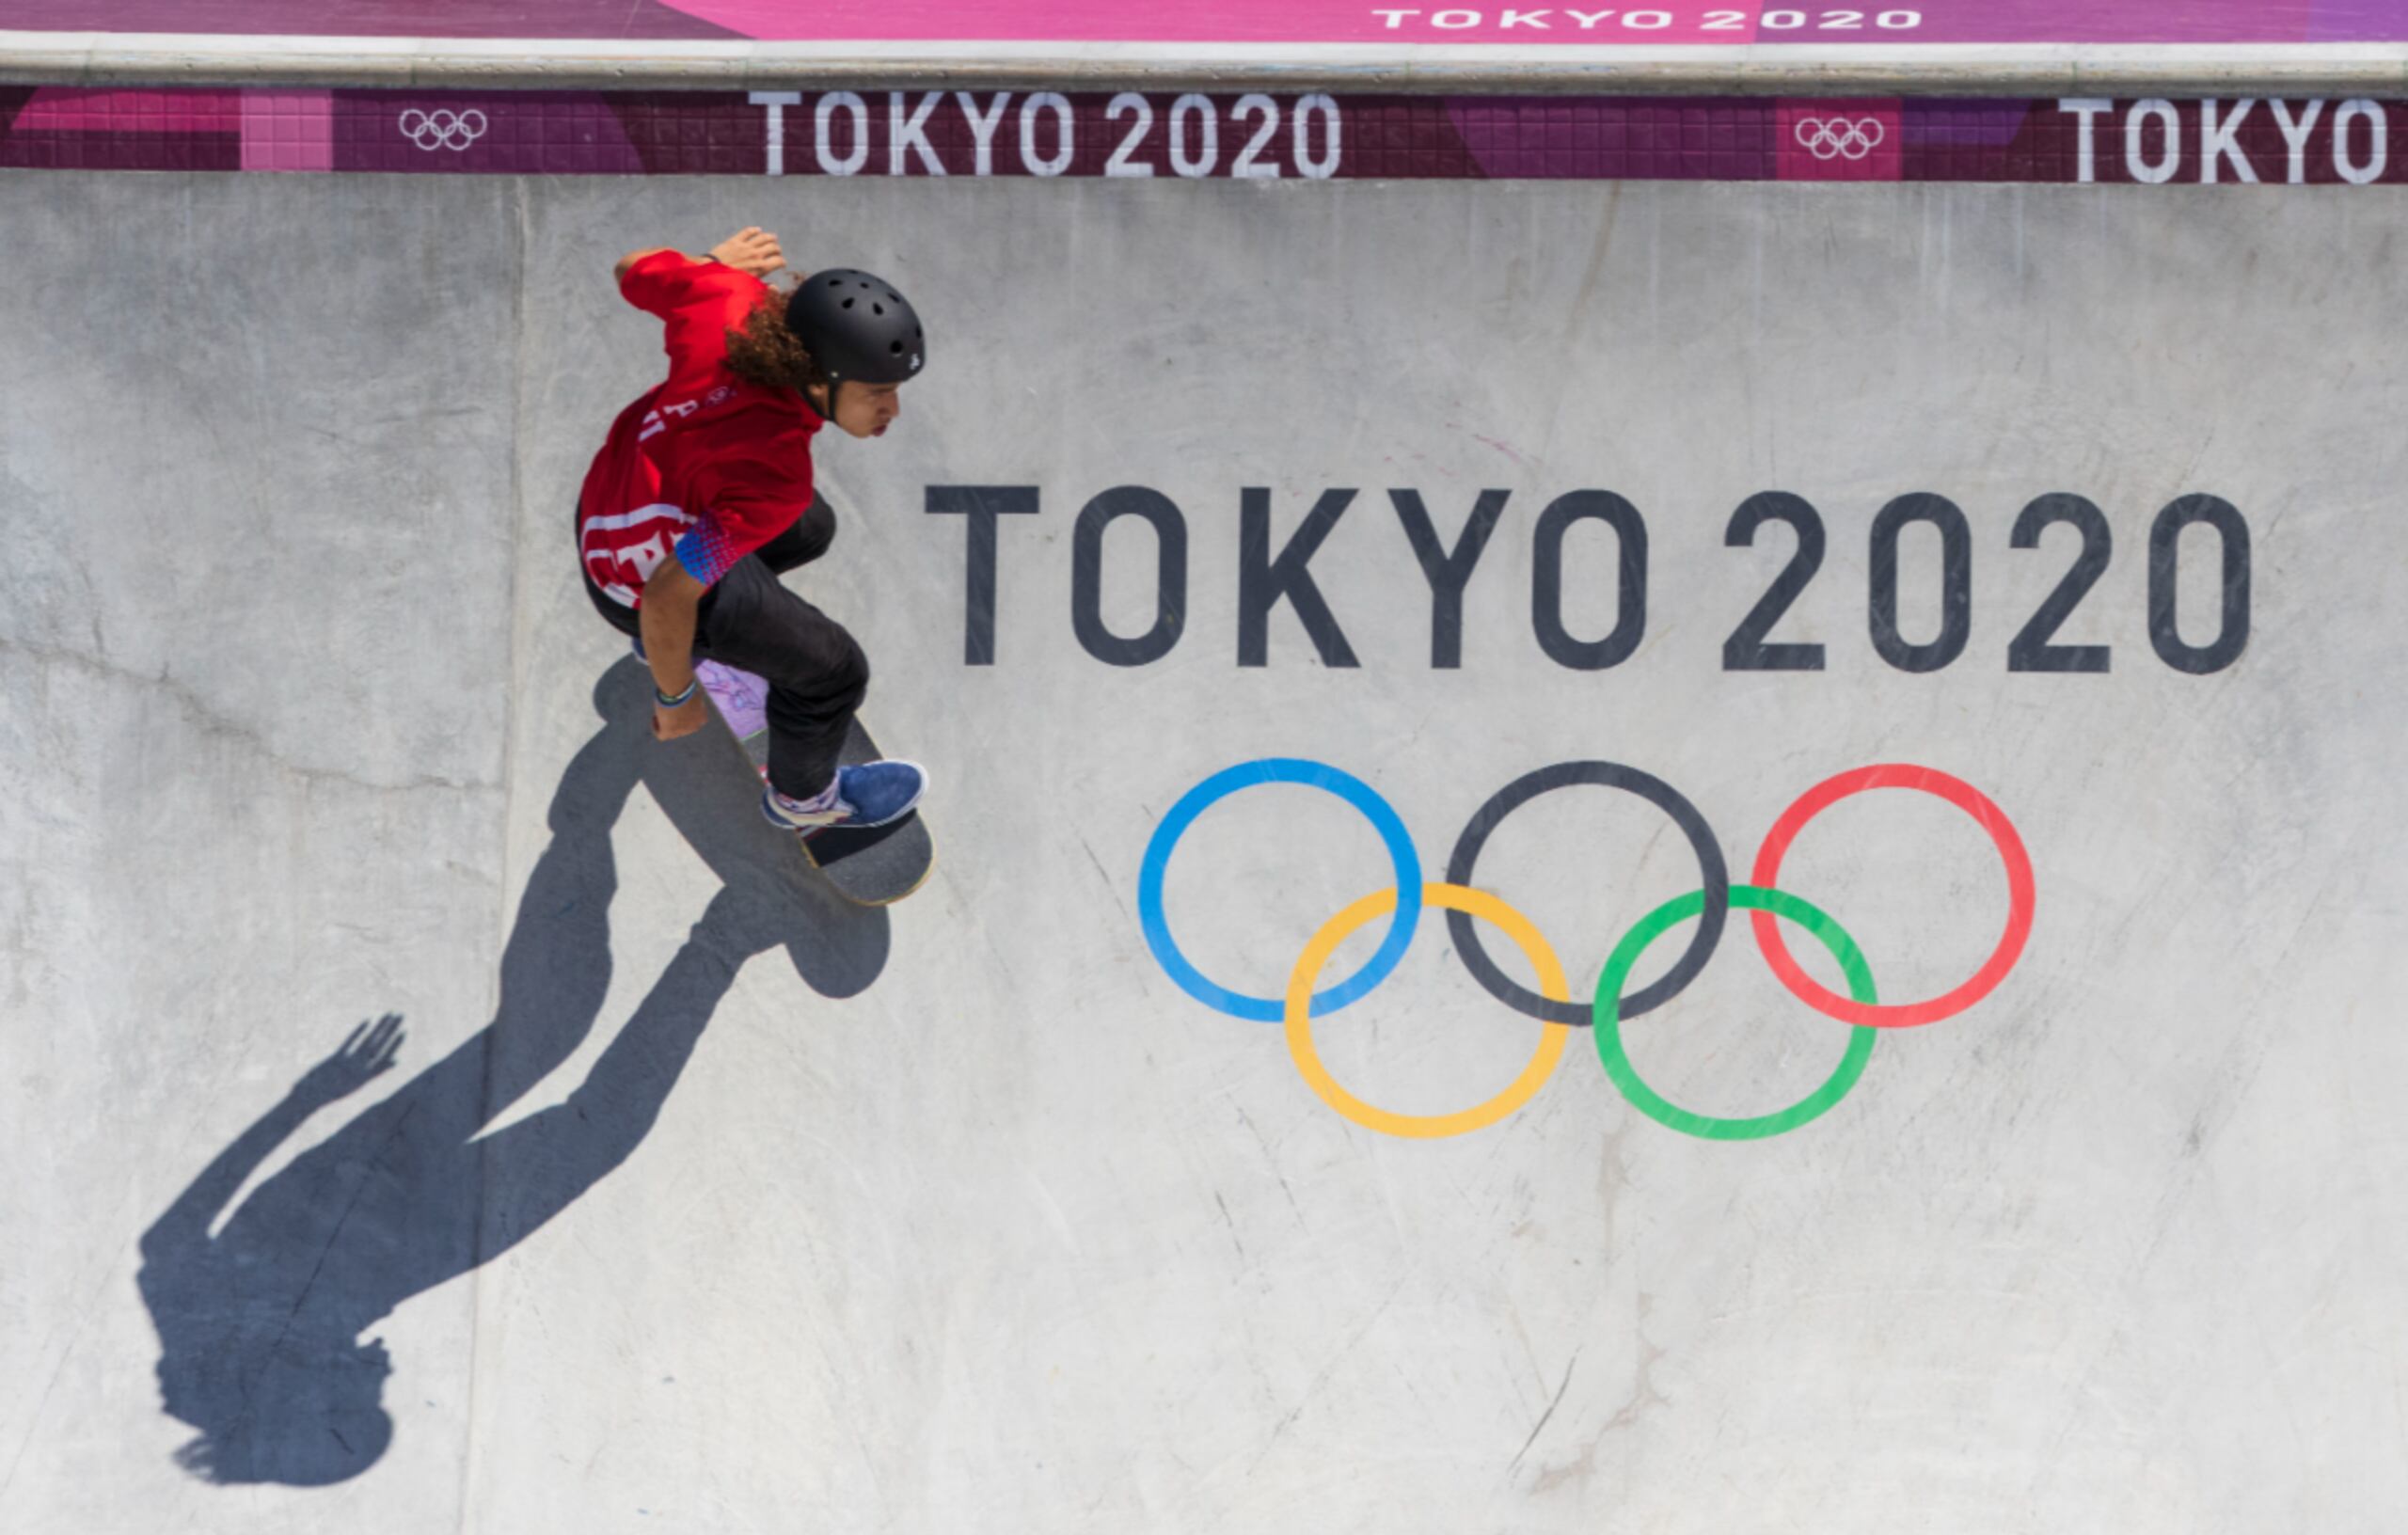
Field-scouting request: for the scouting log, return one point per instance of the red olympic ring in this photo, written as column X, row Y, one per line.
column 1896, row 775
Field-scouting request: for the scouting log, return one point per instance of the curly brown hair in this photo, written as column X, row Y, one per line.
column 764, row 350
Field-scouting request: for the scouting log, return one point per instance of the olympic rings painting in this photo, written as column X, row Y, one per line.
column 1403, row 903
column 1851, row 138
column 442, row 129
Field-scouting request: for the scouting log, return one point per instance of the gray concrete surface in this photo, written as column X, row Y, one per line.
column 699, row 1201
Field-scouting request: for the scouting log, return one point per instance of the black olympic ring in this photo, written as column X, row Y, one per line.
column 1611, row 775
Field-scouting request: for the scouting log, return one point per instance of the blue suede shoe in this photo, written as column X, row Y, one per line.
column 863, row 795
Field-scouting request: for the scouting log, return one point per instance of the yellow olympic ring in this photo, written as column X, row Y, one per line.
column 1475, row 903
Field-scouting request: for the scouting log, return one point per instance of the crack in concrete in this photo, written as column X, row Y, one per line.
column 210, row 722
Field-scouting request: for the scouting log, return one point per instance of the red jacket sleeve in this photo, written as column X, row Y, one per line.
column 745, row 503
column 698, row 304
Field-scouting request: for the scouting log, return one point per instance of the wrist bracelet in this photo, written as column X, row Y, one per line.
column 679, row 702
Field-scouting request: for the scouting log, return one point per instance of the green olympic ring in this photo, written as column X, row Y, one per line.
column 1607, row 1015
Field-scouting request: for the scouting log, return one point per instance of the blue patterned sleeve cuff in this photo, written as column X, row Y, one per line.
column 706, row 553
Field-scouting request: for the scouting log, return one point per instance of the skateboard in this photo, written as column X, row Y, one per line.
column 876, row 865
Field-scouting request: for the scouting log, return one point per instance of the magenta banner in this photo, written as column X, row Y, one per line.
column 1197, row 136
column 2037, row 23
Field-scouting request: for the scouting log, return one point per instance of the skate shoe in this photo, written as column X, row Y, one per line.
column 864, row 794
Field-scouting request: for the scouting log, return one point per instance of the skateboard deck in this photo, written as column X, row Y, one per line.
column 874, row 865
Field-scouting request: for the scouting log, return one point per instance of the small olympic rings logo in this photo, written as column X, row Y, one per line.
column 1710, row 906
column 442, row 129
column 1833, row 138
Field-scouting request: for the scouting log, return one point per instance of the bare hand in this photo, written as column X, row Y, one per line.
column 686, row 718
column 750, row 250
column 369, row 1052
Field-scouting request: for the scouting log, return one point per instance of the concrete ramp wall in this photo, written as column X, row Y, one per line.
column 696, row 1199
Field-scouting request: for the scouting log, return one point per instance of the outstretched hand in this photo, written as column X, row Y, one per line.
column 751, row 250
column 369, row 1052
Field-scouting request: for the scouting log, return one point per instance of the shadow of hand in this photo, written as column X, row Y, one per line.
column 368, row 1053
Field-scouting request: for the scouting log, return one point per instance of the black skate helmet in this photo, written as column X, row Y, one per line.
column 858, row 327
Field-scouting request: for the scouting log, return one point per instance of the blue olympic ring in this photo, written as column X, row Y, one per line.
column 1317, row 775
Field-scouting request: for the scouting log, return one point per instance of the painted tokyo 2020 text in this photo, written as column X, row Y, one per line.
column 1275, row 574
column 1700, row 24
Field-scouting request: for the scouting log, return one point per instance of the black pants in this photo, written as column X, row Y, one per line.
column 816, row 674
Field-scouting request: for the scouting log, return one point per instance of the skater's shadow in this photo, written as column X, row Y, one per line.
column 261, row 1324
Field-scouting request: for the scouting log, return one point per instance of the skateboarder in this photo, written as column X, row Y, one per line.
column 702, row 498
